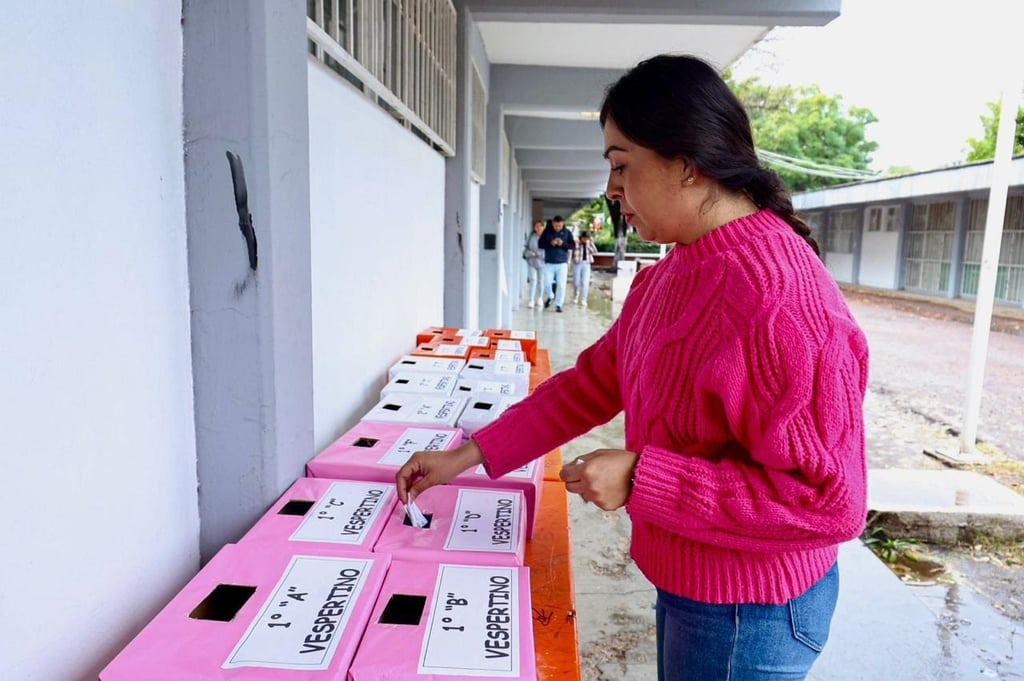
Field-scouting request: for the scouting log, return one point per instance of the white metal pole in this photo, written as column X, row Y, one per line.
column 993, row 237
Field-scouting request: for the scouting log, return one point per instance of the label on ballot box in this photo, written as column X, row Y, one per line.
column 346, row 513
column 516, row 356
column 527, row 479
column 484, row 521
column 473, row 628
column 300, row 624
column 448, row 350
column 523, row 472
column 420, row 364
column 413, row 409
column 437, row 383
column 418, row 440
column 484, row 386
column 475, row 341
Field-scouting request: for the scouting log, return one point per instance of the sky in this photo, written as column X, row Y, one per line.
column 925, row 68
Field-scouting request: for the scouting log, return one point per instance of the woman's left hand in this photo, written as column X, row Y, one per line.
column 604, row 477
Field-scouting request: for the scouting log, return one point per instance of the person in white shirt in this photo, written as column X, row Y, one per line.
column 582, row 260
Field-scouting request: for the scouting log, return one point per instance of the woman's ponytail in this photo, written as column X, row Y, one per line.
column 766, row 190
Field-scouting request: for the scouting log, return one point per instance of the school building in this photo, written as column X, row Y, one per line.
column 920, row 233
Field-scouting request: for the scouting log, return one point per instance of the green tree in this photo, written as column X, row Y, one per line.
column 985, row 148
column 806, row 123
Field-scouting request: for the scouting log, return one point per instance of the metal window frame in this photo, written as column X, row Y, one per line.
column 927, row 227
column 1010, row 269
column 842, row 225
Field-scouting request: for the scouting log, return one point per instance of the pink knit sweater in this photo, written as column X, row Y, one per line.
column 742, row 374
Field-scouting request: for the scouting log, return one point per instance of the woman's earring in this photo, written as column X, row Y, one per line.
column 689, row 180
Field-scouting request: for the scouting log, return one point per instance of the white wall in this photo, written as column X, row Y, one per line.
column 879, row 259
column 99, row 520
column 377, row 229
column 841, row 266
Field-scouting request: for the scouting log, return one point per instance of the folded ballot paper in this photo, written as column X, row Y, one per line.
column 259, row 615
column 464, row 525
column 449, row 621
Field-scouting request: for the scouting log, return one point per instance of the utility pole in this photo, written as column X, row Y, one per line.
column 993, row 238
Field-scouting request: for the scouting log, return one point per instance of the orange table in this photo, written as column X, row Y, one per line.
column 541, row 370
column 549, row 556
column 552, row 466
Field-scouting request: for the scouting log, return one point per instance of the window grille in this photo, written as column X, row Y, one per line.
column 479, row 167
column 841, row 235
column 929, row 251
column 1010, row 272
column 400, row 51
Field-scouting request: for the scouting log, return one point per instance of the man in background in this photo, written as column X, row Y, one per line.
column 557, row 243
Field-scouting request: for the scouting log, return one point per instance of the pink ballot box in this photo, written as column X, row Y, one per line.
column 413, row 409
column 347, row 514
column 375, row 451
column 466, row 525
column 450, row 622
column 259, row 615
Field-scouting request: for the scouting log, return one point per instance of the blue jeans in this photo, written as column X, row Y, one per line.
column 555, row 273
column 745, row 642
column 533, row 277
column 581, row 280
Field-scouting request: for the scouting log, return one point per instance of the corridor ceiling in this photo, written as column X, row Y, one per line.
column 569, row 50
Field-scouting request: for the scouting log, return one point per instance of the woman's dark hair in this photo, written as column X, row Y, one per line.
column 679, row 107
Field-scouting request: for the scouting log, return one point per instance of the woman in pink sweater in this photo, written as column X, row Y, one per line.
column 742, row 375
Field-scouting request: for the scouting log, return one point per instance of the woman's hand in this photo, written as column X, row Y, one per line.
column 423, row 470
column 603, row 477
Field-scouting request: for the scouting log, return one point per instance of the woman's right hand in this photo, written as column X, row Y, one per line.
column 423, row 470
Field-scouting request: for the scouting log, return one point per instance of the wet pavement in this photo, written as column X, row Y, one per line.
column 884, row 629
